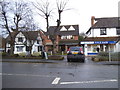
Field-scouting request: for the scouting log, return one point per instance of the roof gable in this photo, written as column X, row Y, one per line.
column 111, row 22
column 64, row 30
column 20, row 34
column 71, row 28
column 31, row 35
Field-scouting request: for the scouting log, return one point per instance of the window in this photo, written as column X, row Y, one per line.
column 20, row 39
column 19, row 48
column 48, row 37
column 103, row 31
column 38, row 41
column 67, row 37
column 118, row 31
column 89, row 48
column 40, row 48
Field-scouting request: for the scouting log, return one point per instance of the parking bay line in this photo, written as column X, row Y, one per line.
column 56, row 80
column 85, row 82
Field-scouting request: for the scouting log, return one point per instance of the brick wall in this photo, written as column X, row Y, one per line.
column 75, row 37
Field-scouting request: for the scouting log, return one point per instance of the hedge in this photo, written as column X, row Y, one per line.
column 104, row 56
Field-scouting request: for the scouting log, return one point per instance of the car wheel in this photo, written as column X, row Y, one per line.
column 83, row 61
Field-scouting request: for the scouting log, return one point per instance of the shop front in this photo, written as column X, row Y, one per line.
column 94, row 47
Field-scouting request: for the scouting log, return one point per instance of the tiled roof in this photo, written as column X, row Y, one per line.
column 31, row 35
column 111, row 22
column 52, row 30
column 13, row 35
column 102, row 39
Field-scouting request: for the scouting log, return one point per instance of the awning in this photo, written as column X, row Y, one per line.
column 68, row 43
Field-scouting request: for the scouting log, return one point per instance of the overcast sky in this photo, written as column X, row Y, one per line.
column 81, row 12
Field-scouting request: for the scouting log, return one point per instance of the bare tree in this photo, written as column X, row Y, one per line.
column 45, row 10
column 4, row 11
column 61, row 7
column 22, row 14
column 18, row 11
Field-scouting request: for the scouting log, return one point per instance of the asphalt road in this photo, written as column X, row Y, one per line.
column 59, row 75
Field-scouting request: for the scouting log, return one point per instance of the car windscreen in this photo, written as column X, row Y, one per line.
column 75, row 49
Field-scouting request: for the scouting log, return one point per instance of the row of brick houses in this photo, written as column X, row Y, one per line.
column 104, row 33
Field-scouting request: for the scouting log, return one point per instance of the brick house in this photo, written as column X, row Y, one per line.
column 66, row 36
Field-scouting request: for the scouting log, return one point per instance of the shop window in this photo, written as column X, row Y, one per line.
column 89, row 48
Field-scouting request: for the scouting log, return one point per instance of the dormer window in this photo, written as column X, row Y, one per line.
column 20, row 39
column 103, row 31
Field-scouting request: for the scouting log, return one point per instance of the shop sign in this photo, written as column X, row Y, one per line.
column 99, row 42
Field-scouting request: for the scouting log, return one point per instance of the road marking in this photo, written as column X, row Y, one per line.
column 9, row 74
column 56, row 80
column 85, row 82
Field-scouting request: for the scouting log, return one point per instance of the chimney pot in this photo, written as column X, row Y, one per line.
column 92, row 20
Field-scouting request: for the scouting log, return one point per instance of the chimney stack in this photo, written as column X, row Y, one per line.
column 92, row 20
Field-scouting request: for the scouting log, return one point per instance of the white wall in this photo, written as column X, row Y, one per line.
column 117, row 47
column 17, row 52
column 34, row 47
column 110, row 33
column 20, row 35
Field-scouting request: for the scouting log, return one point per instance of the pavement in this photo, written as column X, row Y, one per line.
column 87, row 60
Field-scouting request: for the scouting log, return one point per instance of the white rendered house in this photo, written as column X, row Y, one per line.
column 103, row 35
column 25, row 40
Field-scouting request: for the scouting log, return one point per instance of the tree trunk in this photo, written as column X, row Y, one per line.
column 54, row 47
column 30, row 50
column 47, row 21
column 11, row 47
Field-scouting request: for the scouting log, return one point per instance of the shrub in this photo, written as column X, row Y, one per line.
column 115, row 56
column 14, row 55
column 104, row 56
column 22, row 54
column 3, row 54
column 54, row 57
column 36, row 54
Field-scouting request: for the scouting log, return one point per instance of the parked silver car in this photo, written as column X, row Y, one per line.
column 75, row 54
